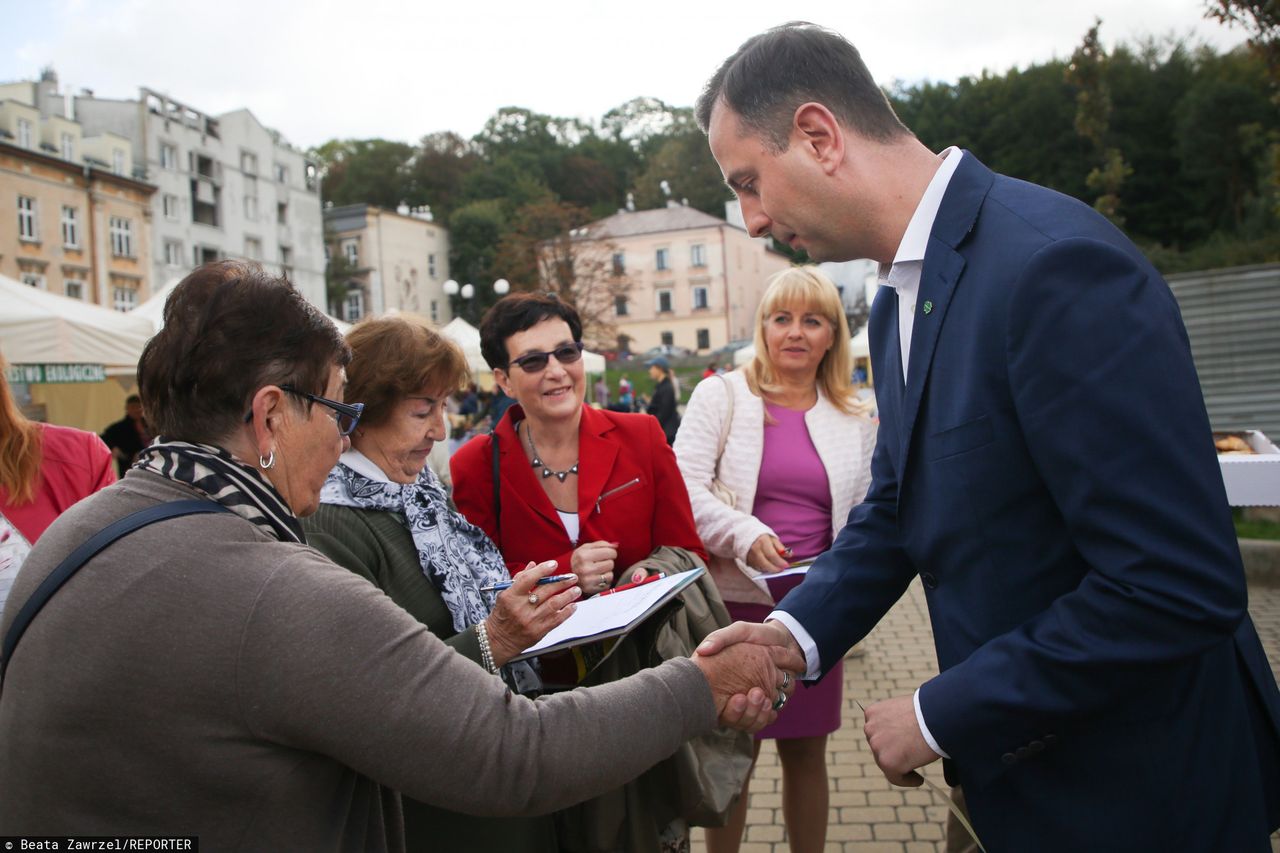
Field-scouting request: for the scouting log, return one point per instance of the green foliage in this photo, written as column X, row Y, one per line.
column 1180, row 143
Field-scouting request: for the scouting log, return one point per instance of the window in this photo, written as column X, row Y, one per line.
column 699, row 298
column 173, row 253
column 353, row 308
column 73, row 289
column 68, row 147
column 435, row 311
column 313, row 176
column 620, row 306
column 248, row 162
column 664, row 301
column 24, row 133
column 168, row 156
column 662, row 259
column 170, row 204
column 282, row 213
column 619, row 263
column 27, row 219
column 668, row 339
column 282, row 174
column 33, row 280
column 70, row 227
column 252, row 248
column 124, row 298
column 117, row 160
column 351, row 251
column 286, row 261
column 704, row 339
column 121, row 237
column 697, row 255
column 204, row 255
column 431, row 265
column 251, row 198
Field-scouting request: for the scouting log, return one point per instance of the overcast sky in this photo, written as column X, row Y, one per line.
column 399, row 69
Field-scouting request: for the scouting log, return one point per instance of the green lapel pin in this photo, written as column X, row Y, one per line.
column 928, row 306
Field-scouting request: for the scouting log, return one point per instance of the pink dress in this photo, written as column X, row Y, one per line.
column 793, row 497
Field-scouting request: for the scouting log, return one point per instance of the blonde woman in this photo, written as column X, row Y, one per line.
column 797, row 457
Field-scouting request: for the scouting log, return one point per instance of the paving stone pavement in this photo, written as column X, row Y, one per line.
column 867, row 814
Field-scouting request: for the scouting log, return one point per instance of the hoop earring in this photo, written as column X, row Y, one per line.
column 269, row 462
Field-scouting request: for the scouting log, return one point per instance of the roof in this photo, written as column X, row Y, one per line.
column 628, row 223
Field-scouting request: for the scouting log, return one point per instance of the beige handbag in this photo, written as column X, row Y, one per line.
column 723, row 493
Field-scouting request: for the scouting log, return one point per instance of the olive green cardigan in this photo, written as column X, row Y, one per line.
column 377, row 546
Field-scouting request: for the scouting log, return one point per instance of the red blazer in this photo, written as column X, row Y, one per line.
column 629, row 491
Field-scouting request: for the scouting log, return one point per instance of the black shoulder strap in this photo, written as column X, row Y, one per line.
column 497, row 490
column 87, row 551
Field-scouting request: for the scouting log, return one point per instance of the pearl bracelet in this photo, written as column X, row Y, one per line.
column 486, row 653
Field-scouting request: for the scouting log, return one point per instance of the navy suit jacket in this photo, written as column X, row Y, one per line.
column 1048, row 472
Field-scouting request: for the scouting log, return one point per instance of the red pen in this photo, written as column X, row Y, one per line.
column 649, row 579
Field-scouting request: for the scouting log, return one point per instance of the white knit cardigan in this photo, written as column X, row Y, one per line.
column 844, row 443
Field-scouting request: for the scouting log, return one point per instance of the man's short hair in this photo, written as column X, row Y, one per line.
column 775, row 72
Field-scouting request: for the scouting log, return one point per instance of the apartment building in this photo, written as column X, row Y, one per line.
column 74, row 219
column 396, row 260
column 693, row 280
column 227, row 187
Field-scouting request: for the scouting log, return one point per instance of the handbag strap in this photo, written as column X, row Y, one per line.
column 497, row 491
column 725, row 424
column 87, row 551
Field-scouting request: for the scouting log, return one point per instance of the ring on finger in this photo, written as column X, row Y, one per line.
column 533, row 599
column 786, row 680
column 779, row 702
column 604, row 582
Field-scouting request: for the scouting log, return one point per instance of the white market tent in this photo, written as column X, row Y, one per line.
column 37, row 327
column 467, row 337
column 859, row 343
column 153, row 309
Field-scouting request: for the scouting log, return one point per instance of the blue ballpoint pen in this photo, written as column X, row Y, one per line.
column 541, row 582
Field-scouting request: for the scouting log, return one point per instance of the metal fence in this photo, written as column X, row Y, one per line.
column 1233, row 320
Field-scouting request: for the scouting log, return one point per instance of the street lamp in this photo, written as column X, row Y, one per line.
column 501, row 286
column 467, row 292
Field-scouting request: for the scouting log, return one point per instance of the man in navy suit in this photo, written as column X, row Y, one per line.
column 1044, row 466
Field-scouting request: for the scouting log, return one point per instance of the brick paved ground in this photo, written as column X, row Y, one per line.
column 868, row 815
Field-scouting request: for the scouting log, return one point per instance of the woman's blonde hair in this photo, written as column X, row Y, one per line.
column 807, row 289
column 21, row 442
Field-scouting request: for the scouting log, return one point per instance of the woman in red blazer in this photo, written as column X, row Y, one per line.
column 596, row 490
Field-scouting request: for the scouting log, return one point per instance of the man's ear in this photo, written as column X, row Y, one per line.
column 816, row 129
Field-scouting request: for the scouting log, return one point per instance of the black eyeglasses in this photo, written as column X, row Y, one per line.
column 346, row 414
column 536, row 362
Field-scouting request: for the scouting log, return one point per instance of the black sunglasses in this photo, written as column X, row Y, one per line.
column 536, row 362
column 346, row 414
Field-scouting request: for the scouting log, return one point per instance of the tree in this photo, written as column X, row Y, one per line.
column 1087, row 72
column 683, row 160
column 437, row 170
column 364, row 171
column 552, row 245
column 474, row 232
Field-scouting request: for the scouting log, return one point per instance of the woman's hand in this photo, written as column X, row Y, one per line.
column 766, row 554
column 593, row 564
column 524, row 612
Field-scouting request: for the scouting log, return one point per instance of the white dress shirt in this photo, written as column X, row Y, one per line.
column 903, row 275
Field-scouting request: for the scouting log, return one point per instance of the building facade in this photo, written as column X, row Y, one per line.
column 692, row 280
column 73, row 218
column 393, row 261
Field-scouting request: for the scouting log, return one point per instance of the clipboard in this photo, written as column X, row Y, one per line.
column 780, row 583
column 616, row 615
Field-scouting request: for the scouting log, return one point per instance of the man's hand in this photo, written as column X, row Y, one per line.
column 894, row 735
column 787, row 653
column 745, row 684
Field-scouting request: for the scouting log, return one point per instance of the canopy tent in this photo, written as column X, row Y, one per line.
column 859, row 343
column 153, row 309
column 37, row 327
column 467, row 336
column 59, row 343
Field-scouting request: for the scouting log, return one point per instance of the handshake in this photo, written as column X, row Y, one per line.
column 752, row 669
